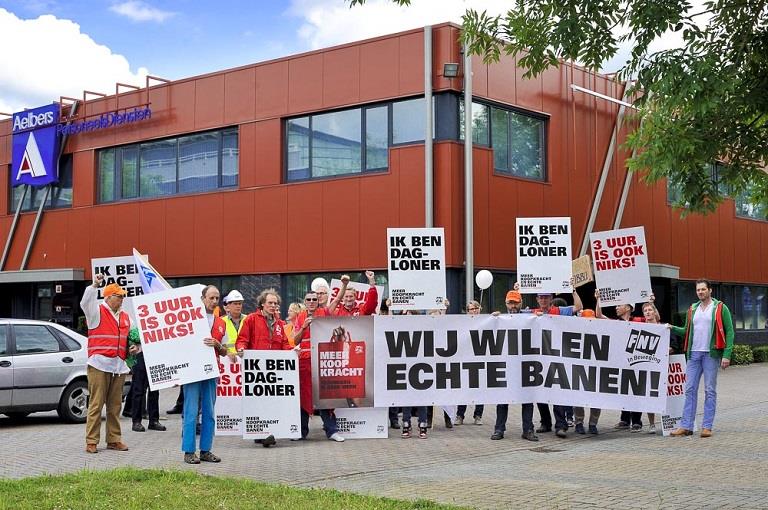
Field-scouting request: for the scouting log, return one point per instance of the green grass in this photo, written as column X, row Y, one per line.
column 143, row 489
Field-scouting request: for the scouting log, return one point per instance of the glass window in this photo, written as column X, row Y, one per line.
column 71, row 343
column 3, row 339
column 500, row 139
column 526, row 158
column 336, row 143
column 750, row 307
column 298, row 149
column 408, row 121
column 129, row 168
column 230, row 155
column 480, row 131
column 107, row 175
column 376, row 138
column 158, row 168
column 198, row 163
column 34, row 339
column 745, row 209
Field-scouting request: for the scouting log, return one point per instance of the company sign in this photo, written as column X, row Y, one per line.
column 35, row 146
column 106, row 120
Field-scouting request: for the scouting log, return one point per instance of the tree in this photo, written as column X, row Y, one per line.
column 702, row 102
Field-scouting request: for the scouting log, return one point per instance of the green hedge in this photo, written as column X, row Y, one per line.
column 760, row 353
column 742, row 355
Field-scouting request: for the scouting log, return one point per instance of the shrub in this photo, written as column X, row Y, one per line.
column 760, row 353
column 742, row 355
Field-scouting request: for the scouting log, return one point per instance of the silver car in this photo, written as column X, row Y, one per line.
column 42, row 368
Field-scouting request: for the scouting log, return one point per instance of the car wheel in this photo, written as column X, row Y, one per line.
column 16, row 416
column 73, row 406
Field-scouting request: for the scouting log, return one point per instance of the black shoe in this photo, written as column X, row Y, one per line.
column 268, row 441
column 155, row 425
column 448, row 422
column 138, row 427
column 175, row 410
column 497, row 435
column 209, row 457
column 394, row 424
column 580, row 428
column 530, row 436
column 561, row 433
column 543, row 430
column 593, row 429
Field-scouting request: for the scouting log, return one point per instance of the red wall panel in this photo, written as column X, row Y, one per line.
column 240, row 96
column 304, row 74
column 341, row 77
column 209, row 102
column 378, row 71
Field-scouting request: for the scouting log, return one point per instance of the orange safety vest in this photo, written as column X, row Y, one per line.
column 110, row 337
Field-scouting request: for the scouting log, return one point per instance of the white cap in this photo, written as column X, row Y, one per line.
column 233, row 296
column 319, row 282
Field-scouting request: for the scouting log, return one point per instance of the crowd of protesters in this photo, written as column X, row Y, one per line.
column 113, row 349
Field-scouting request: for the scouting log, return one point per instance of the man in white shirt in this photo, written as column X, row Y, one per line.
column 108, row 328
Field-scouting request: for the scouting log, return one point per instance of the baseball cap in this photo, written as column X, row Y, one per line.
column 588, row 313
column 514, row 296
column 113, row 289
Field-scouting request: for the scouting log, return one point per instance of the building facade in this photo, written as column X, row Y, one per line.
column 277, row 172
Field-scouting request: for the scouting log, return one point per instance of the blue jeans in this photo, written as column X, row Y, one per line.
column 700, row 363
column 461, row 410
column 421, row 412
column 199, row 394
column 329, row 422
column 502, row 412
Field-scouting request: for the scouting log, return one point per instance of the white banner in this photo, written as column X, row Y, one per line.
column 544, row 255
column 673, row 414
column 461, row 359
column 122, row 271
column 271, row 394
column 621, row 266
column 229, row 398
column 361, row 289
column 342, row 362
column 363, row 423
column 416, row 264
column 172, row 326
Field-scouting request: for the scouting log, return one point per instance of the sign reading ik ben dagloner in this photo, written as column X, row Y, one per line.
column 544, row 255
column 172, row 326
column 271, row 394
column 416, row 268
column 520, row 358
column 621, row 266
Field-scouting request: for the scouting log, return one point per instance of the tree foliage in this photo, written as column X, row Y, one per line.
column 704, row 101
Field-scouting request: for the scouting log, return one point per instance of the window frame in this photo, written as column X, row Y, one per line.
column 117, row 184
column 14, row 350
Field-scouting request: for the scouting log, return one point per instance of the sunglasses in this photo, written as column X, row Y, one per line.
column 310, row 299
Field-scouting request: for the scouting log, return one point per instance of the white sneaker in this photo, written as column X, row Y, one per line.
column 478, row 421
column 336, row 437
column 652, row 428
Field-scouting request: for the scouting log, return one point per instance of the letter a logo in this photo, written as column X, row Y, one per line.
column 31, row 161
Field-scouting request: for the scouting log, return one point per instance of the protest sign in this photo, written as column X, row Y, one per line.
column 342, row 362
column 670, row 419
column 229, row 398
column 416, row 263
column 172, row 326
column 271, row 394
column 363, row 423
column 582, row 271
column 621, row 266
column 361, row 289
column 122, row 271
column 544, row 255
column 520, row 358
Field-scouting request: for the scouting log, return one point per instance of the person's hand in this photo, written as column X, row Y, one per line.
column 597, row 294
column 370, row 275
column 725, row 363
column 134, row 349
column 297, row 348
column 97, row 280
column 516, row 286
column 496, row 314
column 344, row 279
column 232, row 357
column 652, row 298
column 668, row 325
column 539, row 313
column 240, row 353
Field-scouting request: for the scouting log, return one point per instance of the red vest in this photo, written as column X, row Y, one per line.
column 109, row 338
column 219, row 329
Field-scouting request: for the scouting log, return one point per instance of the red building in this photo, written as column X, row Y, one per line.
column 276, row 172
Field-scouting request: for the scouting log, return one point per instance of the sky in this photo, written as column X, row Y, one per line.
column 57, row 48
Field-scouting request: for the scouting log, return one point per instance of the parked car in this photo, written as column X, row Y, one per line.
column 43, row 368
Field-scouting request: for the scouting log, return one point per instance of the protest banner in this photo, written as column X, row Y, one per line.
column 172, row 326
column 544, row 255
column 361, row 289
column 520, row 358
column 670, row 419
column 271, row 394
column 229, row 398
column 363, row 423
column 342, row 362
column 621, row 266
column 416, row 263
column 582, row 271
column 122, row 271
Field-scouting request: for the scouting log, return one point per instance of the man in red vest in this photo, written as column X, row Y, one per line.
column 108, row 328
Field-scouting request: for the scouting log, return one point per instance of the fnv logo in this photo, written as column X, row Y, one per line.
column 642, row 346
column 35, row 146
